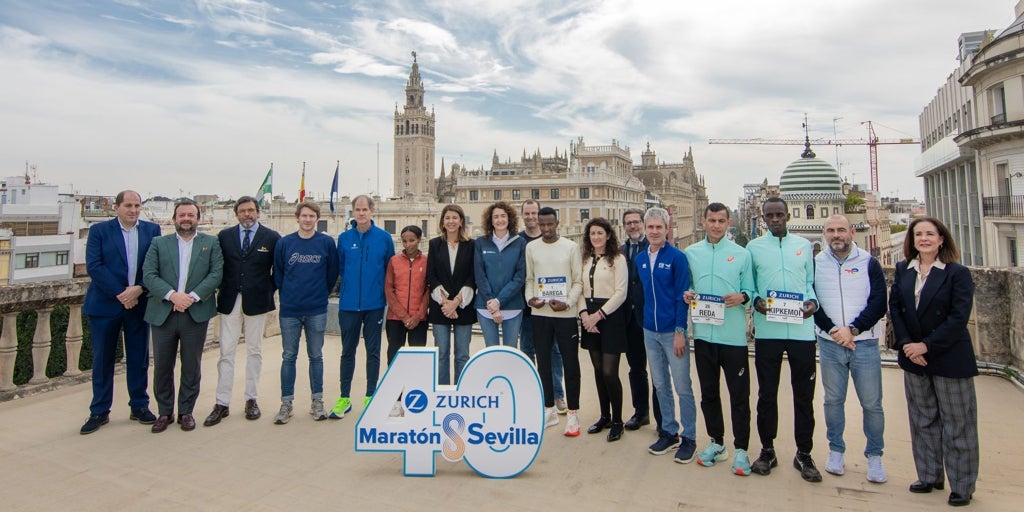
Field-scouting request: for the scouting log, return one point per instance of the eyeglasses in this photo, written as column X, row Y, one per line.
column 631, row 222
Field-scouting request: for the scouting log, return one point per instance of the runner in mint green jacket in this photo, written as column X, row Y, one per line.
column 722, row 286
column 784, row 279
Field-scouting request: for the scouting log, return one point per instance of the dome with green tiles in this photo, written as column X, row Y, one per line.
column 810, row 176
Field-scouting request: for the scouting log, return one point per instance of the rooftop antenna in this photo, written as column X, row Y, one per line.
column 807, row 141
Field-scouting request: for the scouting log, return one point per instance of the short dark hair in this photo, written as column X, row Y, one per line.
column 547, row 210
column 715, row 208
column 247, row 199
column 307, row 203
column 948, row 252
column 414, row 229
column 513, row 218
column 633, row 211
column 776, row 200
column 185, row 202
column 120, row 196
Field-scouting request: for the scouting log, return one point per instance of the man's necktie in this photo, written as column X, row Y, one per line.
column 245, row 242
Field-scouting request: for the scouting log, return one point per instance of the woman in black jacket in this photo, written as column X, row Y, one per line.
column 930, row 303
column 451, row 283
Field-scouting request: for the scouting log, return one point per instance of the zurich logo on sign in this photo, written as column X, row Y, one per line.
column 416, row 401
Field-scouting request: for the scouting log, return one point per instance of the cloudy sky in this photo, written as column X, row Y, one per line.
column 186, row 97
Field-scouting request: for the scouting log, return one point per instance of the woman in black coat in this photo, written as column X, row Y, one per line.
column 930, row 303
column 451, row 283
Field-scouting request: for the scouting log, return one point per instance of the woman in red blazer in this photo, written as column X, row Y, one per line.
column 930, row 303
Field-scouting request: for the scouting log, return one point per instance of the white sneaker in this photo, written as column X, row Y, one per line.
column 836, row 463
column 572, row 424
column 561, row 406
column 550, row 417
column 876, row 471
column 397, row 411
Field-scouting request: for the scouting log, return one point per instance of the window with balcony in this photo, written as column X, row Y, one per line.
column 584, row 214
column 998, row 104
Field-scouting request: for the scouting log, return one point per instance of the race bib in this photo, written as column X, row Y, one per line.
column 707, row 309
column 785, row 307
column 553, row 288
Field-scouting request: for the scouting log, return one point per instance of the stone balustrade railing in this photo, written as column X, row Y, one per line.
column 997, row 326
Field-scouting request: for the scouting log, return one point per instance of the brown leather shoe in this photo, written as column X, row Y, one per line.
column 219, row 411
column 187, row 422
column 160, row 424
column 252, row 411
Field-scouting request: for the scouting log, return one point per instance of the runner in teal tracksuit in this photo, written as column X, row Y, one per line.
column 784, row 262
column 722, row 281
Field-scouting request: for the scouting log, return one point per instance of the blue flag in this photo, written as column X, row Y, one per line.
column 334, row 185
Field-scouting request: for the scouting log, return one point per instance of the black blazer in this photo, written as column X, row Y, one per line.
column 439, row 273
column 940, row 320
column 250, row 274
column 634, row 305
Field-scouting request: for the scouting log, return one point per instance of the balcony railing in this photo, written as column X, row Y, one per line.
column 999, row 118
column 1003, row 206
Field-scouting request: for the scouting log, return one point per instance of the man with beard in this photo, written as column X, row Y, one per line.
column 245, row 297
column 850, row 286
column 636, row 352
column 181, row 272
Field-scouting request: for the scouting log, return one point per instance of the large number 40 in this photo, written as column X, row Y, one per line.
column 493, row 419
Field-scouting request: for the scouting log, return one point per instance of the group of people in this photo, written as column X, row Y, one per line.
column 548, row 296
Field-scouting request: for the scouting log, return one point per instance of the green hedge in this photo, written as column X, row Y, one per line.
column 57, row 363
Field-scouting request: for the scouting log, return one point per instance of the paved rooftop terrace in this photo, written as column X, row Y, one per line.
column 256, row 465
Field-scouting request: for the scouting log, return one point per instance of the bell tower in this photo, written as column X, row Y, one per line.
column 414, row 141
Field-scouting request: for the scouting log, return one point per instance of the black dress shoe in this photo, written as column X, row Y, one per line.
column 219, row 412
column 188, row 422
column 142, row 415
column 616, row 431
column 252, row 411
column 161, row 423
column 94, row 423
column 599, row 425
column 636, row 422
column 920, row 487
column 959, row 500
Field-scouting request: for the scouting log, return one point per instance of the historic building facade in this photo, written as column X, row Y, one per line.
column 414, row 141
column 681, row 190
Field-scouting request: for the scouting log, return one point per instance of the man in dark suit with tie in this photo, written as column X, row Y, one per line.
column 182, row 272
column 246, row 295
column 113, row 258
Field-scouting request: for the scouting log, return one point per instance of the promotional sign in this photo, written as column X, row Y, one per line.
column 707, row 309
column 493, row 418
column 785, row 307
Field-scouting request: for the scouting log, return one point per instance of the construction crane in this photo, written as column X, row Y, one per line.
column 872, row 142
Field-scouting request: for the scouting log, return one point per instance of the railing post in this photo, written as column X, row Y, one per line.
column 73, row 340
column 8, row 351
column 41, row 346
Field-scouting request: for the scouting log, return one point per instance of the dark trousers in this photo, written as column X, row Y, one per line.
column 398, row 335
column 351, row 323
column 547, row 331
column 712, row 360
column 104, row 331
column 636, row 357
column 802, row 376
column 178, row 331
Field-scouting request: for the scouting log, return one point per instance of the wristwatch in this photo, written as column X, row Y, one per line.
column 680, row 330
column 854, row 331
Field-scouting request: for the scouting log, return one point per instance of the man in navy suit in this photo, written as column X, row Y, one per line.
column 113, row 258
column 245, row 297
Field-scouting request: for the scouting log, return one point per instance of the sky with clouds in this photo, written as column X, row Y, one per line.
column 176, row 97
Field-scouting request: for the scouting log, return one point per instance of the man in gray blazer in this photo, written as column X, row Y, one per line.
column 181, row 272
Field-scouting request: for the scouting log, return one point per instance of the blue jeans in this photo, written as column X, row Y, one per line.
column 666, row 370
column 838, row 364
column 291, row 328
column 509, row 330
column 528, row 348
column 350, row 323
column 443, row 342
